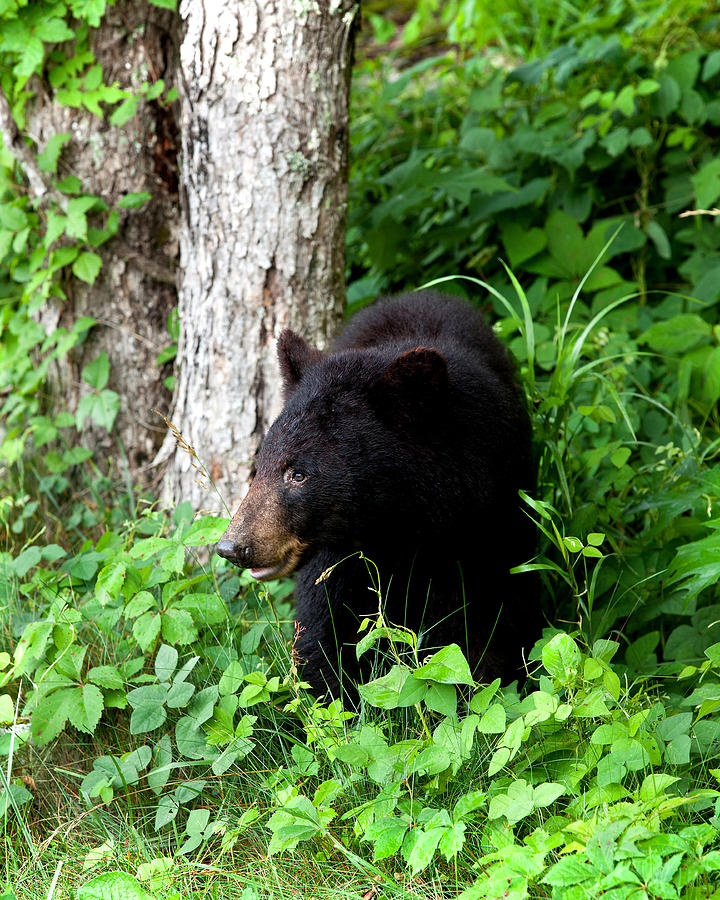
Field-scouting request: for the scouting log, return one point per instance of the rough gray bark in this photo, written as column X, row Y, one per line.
column 264, row 102
column 135, row 291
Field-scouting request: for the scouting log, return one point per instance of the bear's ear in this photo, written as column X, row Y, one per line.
column 416, row 379
column 296, row 356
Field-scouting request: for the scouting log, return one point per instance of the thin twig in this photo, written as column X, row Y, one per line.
column 700, row 212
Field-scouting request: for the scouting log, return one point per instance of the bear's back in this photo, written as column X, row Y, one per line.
column 428, row 319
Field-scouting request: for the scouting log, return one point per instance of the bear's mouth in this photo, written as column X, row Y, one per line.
column 288, row 562
column 269, row 573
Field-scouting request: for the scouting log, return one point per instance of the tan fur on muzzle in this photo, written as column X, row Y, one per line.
column 259, row 524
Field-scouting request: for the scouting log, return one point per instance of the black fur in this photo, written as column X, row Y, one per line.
column 414, row 441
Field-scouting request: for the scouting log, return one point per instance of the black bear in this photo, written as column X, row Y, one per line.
column 408, row 442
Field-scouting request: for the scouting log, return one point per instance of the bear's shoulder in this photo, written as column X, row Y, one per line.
column 428, row 319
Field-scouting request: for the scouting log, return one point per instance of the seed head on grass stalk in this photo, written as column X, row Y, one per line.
column 195, row 461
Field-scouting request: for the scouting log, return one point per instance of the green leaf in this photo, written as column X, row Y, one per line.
column 667, row 97
column 48, row 159
column 7, row 709
column 207, row 530
column 499, row 759
column 706, row 184
column 387, row 834
column 147, row 717
column 547, row 793
column 97, row 372
column 87, row 266
column 167, row 810
column 191, row 740
column 148, row 547
column 655, row 785
column 209, row 609
column 178, row 627
column 390, row 691
column 571, row 870
column 561, row 658
column 165, row 4
column 713, row 654
column 159, row 775
column 616, row 141
column 447, row 666
column 676, row 334
column 180, row 694
column 85, row 706
column 625, row 100
column 140, row 603
column 566, row 243
column 125, row 111
column 711, row 66
column 146, row 629
column 31, row 58
column 647, row 86
column 174, row 559
column 12, row 217
column 70, row 185
column 77, row 208
column 522, row 243
column 493, row 721
column 110, row 582
column 53, row 30
column 155, row 90
column 93, row 78
column 441, row 698
column 515, row 804
column 656, row 233
column 44, row 430
column 134, row 201
column 620, row 456
column 468, row 804
column 113, row 886
column 640, row 137
column 102, row 408
column 49, row 717
column 106, row 677
column 424, row 848
column 165, row 662
column 22, row 564
column 482, row 699
column 232, row 678
column 14, row 796
column 685, row 68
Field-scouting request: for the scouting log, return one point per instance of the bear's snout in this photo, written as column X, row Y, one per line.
column 258, row 539
column 233, row 552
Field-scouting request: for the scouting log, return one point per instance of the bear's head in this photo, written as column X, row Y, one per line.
column 337, row 461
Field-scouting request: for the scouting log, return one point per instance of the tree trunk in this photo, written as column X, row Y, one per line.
column 135, row 291
column 264, row 106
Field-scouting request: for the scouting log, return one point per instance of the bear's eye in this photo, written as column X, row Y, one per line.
column 295, row 476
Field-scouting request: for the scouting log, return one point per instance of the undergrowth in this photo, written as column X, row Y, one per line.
column 164, row 705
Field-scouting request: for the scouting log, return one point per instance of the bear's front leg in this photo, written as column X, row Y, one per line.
column 327, row 622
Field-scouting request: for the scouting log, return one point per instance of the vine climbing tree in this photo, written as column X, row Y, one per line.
column 89, row 139
column 96, row 102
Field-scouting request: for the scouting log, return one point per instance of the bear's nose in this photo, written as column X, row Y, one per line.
column 229, row 550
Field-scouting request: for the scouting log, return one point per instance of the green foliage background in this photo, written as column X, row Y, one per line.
column 538, row 161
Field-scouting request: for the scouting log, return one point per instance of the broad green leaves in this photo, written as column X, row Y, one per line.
column 433, row 683
column 561, row 657
column 113, row 886
column 447, row 666
column 522, row 799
